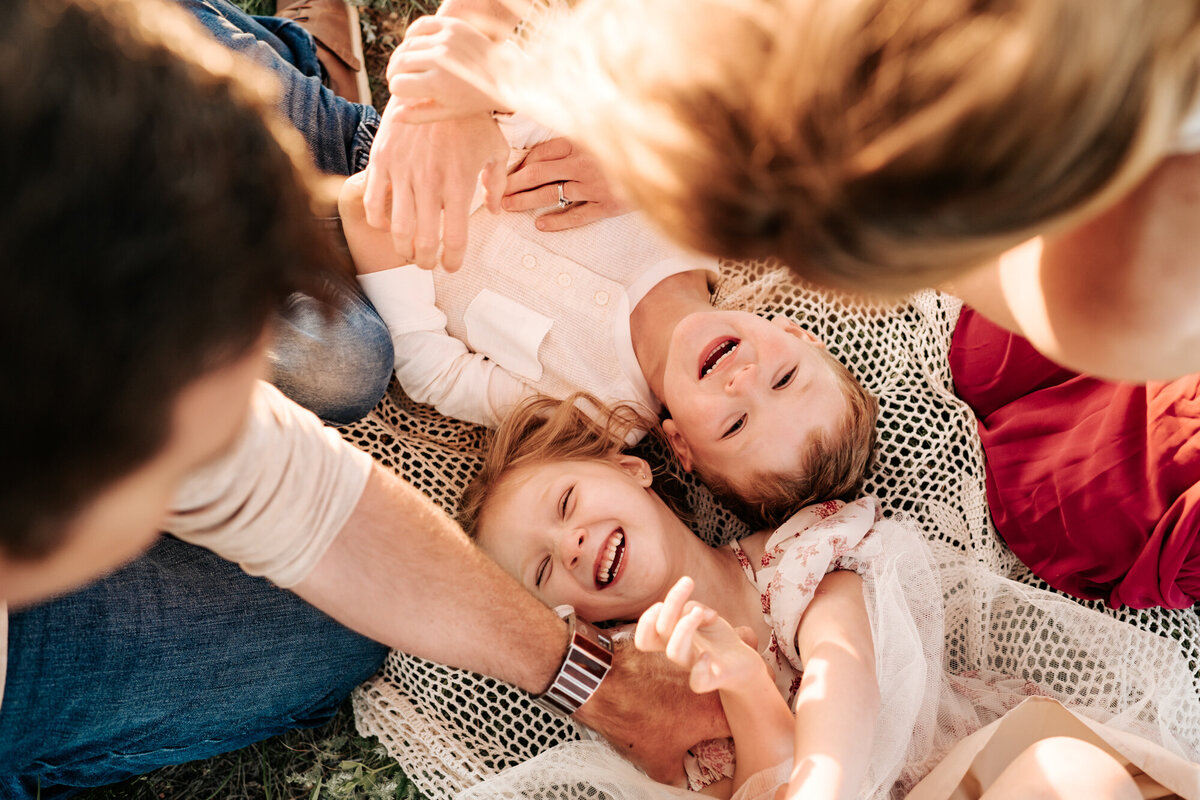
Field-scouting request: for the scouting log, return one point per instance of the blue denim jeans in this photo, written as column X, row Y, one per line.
column 177, row 656
column 336, row 362
column 339, row 133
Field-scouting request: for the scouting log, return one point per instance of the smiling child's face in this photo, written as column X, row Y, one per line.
column 747, row 395
column 588, row 533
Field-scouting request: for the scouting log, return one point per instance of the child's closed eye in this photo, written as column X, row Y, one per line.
column 564, row 500
column 737, row 425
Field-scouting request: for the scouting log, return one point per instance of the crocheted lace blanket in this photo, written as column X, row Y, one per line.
column 450, row 729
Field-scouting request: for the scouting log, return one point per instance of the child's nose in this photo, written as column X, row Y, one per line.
column 573, row 547
column 740, row 379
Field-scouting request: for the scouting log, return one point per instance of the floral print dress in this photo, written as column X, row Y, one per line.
column 815, row 541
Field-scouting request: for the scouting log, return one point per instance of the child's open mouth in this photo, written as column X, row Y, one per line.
column 610, row 559
column 717, row 353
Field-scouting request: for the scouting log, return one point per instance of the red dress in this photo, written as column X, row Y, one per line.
column 1093, row 484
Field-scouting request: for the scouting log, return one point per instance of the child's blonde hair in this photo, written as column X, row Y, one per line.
column 541, row 430
column 890, row 143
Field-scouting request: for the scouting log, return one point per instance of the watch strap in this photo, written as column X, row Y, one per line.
column 589, row 657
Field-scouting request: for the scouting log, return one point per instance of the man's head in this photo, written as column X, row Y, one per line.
column 767, row 418
column 150, row 222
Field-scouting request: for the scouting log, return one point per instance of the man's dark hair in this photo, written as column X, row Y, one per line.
column 150, row 222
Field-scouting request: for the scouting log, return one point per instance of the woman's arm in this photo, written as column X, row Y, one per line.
column 838, row 699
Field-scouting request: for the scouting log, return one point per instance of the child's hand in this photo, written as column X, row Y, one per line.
column 699, row 639
column 443, row 69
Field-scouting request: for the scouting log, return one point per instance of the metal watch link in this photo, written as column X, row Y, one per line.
column 589, row 657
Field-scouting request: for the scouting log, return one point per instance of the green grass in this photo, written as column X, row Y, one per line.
column 327, row 763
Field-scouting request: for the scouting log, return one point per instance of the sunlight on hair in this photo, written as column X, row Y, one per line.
column 882, row 143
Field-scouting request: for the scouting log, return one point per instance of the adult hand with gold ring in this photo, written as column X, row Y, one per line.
column 557, row 174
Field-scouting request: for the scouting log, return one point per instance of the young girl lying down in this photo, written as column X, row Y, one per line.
column 760, row 410
column 845, row 695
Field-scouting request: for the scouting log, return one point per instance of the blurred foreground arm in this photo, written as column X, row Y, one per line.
column 1116, row 296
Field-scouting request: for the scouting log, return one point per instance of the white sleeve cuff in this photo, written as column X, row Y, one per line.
column 404, row 297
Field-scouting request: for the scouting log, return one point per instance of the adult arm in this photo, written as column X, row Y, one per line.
column 421, row 178
column 838, row 700
column 294, row 502
column 1115, row 296
column 403, row 573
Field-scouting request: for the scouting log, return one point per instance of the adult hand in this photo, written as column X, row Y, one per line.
column 442, row 70
column 645, row 708
column 534, row 184
column 421, row 180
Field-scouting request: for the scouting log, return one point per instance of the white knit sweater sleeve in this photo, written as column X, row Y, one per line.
column 432, row 366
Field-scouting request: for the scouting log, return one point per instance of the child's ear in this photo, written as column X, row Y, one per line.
column 637, row 468
column 678, row 444
column 790, row 326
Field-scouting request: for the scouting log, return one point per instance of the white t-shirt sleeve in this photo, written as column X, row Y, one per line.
column 278, row 499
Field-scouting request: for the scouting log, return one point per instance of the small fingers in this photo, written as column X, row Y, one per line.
column 747, row 635
column 672, row 607
column 424, row 26
column 645, row 636
column 415, row 38
column 704, row 676
column 681, row 646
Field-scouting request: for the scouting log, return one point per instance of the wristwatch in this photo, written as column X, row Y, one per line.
column 589, row 657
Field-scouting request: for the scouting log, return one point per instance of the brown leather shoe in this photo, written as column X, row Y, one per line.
column 334, row 26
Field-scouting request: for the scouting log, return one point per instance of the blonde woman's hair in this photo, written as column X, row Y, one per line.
column 541, row 430
column 882, row 144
